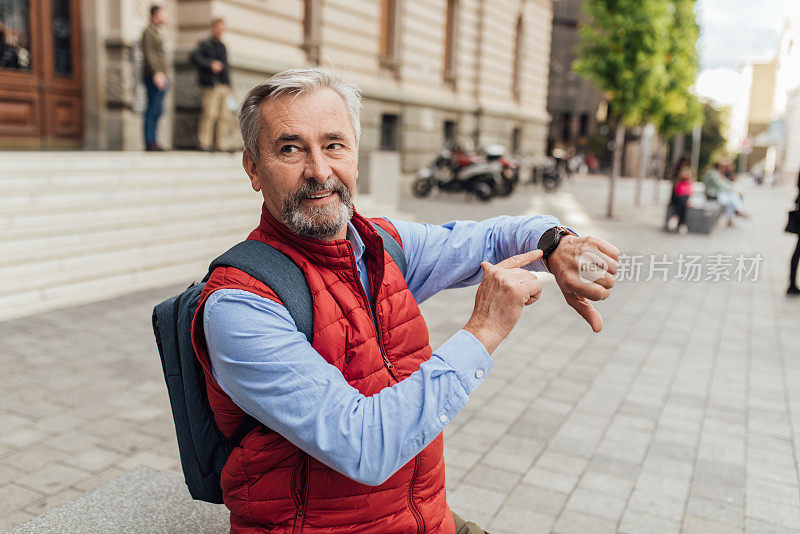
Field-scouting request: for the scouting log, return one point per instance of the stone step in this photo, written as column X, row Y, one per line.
column 15, row 208
column 122, row 217
column 111, row 180
column 80, row 227
column 30, row 250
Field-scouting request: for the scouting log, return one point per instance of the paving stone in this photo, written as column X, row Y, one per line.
column 773, row 491
column 606, row 484
column 52, row 478
column 657, row 504
column 51, row 501
column 539, row 500
column 785, row 515
column 571, row 522
column 596, row 504
column 696, row 525
column 94, row 459
column 754, row 526
column 719, row 512
column 475, row 499
column 519, row 519
column 561, row 463
column 15, row 497
column 636, row 523
column 22, row 437
column 549, row 480
column 15, row 518
column 492, row 478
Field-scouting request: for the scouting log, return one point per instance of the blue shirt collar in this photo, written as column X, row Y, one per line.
column 355, row 240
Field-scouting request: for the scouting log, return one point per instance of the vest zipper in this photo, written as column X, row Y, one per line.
column 300, row 493
column 371, row 308
column 411, row 505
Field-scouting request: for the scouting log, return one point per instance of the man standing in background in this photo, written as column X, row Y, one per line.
column 211, row 59
column 155, row 74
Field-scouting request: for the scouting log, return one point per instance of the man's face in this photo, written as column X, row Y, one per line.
column 160, row 17
column 218, row 29
column 308, row 166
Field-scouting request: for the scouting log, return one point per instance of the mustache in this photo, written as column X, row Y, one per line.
column 312, row 187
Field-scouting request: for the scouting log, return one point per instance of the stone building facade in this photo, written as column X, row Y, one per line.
column 472, row 71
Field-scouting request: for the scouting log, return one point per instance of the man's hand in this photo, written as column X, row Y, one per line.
column 584, row 268
column 160, row 80
column 506, row 288
column 216, row 66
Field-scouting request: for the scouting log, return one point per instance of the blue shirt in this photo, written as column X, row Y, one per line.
column 272, row 372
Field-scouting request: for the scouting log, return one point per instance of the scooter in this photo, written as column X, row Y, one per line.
column 453, row 171
column 508, row 176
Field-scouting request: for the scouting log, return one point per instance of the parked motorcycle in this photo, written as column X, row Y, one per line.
column 456, row 171
column 508, row 177
column 549, row 172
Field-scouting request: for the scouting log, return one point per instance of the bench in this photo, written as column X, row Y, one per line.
column 144, row 500
column 702, row 214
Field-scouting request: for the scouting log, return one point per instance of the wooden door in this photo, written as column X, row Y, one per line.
column 40, row 74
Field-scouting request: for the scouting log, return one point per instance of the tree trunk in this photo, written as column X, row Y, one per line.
column 619, row 141
column 645, row 146
column 696, row 134
column 662, row 171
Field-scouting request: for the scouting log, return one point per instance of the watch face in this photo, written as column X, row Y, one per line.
column 549, row 240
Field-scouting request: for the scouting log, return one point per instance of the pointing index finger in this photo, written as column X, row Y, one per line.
column 520, row 260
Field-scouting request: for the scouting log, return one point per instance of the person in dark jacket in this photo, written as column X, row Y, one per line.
column 793, row 289
column 211, row 59
column 155, row 74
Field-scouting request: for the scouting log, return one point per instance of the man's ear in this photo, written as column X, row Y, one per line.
column 251, row 168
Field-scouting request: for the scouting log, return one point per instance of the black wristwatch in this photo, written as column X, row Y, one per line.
column 550, row 239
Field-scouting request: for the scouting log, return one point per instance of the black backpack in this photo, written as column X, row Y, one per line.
column 202, row 446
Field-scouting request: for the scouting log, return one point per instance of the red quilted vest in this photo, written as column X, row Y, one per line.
column 269, row 484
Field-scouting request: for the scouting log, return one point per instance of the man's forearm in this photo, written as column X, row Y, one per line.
column 449, row 256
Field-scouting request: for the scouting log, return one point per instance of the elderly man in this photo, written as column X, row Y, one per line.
column 350, row 438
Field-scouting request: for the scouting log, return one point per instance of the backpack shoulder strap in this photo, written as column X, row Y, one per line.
column 273, row 268
column 393, row 248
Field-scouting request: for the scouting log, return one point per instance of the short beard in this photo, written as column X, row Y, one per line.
column 318, row 222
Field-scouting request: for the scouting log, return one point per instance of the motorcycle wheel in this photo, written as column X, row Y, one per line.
column 483, row 191
column 550, row 182
column 504, row 187
column 422, row 187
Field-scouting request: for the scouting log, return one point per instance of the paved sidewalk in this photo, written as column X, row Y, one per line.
column 682, row 415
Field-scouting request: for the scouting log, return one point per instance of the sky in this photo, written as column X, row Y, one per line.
column 731, row 31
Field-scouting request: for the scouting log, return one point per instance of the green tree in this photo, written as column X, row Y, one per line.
column 712, row 140
column 623, row 49
column 677, row 110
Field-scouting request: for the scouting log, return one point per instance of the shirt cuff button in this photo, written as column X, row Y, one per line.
column 479, row 374
column 443, row 418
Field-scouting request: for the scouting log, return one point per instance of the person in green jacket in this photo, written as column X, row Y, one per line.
column 155, row 74
column 721, row 189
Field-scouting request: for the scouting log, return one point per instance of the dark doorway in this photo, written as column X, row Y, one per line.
column 390, row 125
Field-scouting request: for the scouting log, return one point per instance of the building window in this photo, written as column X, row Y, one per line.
column 389, row 34
column 519, row 43
column 566, row 127
column 583, row 130
column 449, row 132
column 516, row 138
column 450, row 40
column 390, row 130
column 312, row 23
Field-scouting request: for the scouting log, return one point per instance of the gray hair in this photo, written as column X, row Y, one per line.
column 293, row 81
